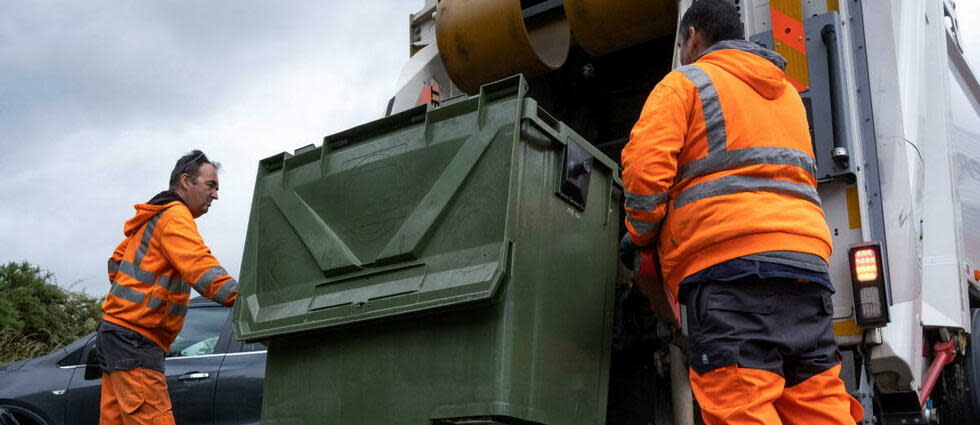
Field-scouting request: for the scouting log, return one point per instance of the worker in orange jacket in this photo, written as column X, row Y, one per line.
column 719, row 179
column 152, row 272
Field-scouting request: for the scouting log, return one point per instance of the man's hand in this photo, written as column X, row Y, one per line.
column 627, row 252
column 650, row 282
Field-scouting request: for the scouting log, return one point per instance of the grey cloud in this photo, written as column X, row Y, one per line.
column 104, row 63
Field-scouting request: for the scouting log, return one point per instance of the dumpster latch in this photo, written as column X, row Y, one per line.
column 575, row 175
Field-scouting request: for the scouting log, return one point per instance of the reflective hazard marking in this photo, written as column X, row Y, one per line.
column 789, row 39
column 846, row 328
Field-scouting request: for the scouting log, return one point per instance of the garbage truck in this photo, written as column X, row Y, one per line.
column 454, row 261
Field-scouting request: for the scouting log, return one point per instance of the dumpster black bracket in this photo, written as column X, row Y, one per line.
column 576, row 174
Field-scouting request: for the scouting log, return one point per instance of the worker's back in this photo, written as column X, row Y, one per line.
column 735, row 131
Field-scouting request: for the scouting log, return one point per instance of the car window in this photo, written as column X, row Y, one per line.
column 74, row 357
column 253, row 346
column 200, row 333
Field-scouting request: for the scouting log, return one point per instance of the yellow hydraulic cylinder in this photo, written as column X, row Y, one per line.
column 605, row 26
column 487, row 40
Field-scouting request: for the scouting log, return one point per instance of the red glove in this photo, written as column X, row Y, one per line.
column 663, row 302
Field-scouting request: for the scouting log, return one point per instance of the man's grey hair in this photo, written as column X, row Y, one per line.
column 191, row 165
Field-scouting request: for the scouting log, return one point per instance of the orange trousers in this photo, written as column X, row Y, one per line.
column 135, row 397
column 742, row 396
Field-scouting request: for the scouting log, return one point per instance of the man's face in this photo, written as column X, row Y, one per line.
column 198, row 194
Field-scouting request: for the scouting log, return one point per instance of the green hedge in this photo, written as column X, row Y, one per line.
column 37, row 316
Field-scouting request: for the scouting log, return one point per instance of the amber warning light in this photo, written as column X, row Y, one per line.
column 866, row 264
column 869, row 286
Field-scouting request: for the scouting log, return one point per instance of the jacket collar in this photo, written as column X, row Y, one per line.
column 164, row 198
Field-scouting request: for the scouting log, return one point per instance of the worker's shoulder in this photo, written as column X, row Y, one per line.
column 690, row 75
column 680, row 81
column 177, row 213
column 674, row 87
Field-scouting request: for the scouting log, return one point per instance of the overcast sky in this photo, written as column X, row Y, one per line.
column 98, row 98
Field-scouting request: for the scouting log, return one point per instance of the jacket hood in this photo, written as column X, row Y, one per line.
column 144, row 212
column 760, row 68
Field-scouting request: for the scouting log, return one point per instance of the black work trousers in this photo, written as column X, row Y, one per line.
column 763, row 351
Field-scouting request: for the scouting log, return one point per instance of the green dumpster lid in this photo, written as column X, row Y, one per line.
column 401, row 215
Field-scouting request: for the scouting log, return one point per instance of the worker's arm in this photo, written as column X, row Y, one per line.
column 114, row 261
column 649, row 168
column 184, row 248
column 650, row 160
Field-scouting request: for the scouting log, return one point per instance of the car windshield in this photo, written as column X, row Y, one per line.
column 200, row 333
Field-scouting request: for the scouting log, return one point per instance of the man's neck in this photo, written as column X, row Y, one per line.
column 165, row 197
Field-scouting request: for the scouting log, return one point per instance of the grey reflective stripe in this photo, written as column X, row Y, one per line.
column 221, row 297
column 643, row 227
column 714, row 121
column 728, row 160
column 801, row 260
column 739, row 184
column 154, row 303
column 177, row 310
column 209, row 276
column 148, row 278
column 127, row 294
column 137, row 273
column 113, row 266
column 645, row 202
column 145, row 241
column 180, row 287
column 174, row 285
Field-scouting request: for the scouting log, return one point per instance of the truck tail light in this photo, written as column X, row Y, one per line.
column 868, row 284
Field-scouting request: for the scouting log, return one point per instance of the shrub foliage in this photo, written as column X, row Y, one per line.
column 37, row 316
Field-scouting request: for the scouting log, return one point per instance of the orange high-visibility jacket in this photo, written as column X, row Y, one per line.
column 153, row 270
column 720, row 165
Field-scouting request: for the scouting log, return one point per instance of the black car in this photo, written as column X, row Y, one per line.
column 213, row 379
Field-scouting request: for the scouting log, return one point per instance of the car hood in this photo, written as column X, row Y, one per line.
column 10, row 367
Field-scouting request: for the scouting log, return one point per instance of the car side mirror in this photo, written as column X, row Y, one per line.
column 92, row 368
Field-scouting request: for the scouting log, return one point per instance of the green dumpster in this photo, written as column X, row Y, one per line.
column 450, row 264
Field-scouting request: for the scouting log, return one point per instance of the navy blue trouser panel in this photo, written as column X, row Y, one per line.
column 780, row 325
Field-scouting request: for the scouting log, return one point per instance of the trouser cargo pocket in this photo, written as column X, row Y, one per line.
column 139, row 395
